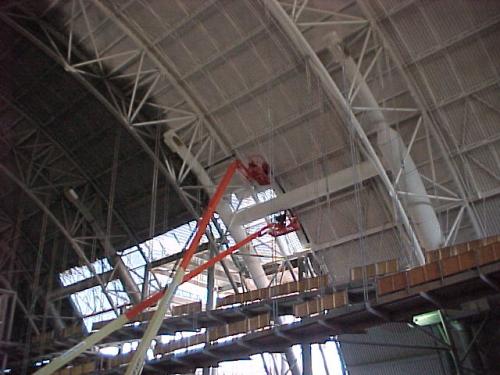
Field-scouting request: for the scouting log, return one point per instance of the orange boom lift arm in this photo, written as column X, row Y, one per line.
column 258, row 171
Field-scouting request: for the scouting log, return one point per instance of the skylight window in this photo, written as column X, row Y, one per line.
column 93, row 305
column 76, row 274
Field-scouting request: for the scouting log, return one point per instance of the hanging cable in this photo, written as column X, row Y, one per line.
column 359, row 212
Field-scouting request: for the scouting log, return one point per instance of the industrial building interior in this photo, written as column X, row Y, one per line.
column 247, row 187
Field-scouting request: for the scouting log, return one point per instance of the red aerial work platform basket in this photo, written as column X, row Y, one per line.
column 257, row 170
column 285, row 226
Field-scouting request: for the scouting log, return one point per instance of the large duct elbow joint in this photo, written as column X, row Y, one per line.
column 173, row 141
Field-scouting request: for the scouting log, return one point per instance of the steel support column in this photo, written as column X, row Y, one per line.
column 305, row 347
column 306, row 359
column 210, row 297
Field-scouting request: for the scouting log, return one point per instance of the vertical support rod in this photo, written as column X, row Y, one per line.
column 323, row 357
column 306, row 359
column 448, row 336
column 210, row 295
column 341, row 356
column 211, row 284
column 306, row 347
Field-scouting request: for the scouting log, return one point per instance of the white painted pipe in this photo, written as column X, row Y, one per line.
column 418, row 206
column 307, row 193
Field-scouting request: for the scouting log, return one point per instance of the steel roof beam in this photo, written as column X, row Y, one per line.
column 82, row 79
column 106, row 103
column 395, row 153
column 165, row 67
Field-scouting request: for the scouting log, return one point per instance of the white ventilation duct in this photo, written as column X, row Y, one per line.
column 330, row 184
column 393, row 149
